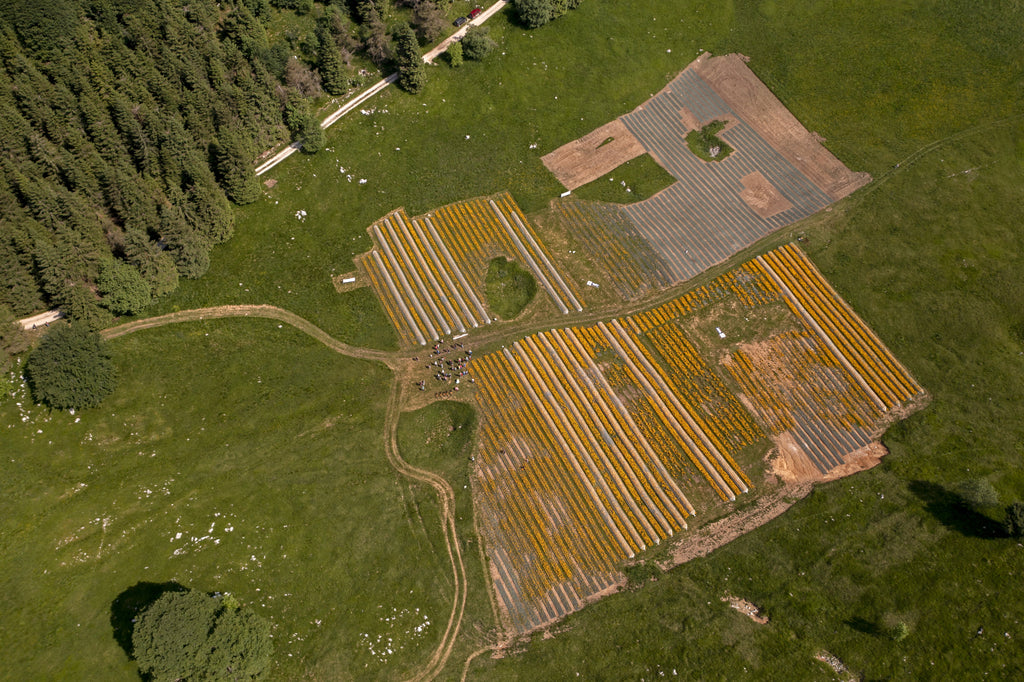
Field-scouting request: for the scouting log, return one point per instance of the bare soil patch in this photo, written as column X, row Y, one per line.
column 762, row 196
column 341, row 286
column 598, row 152
column 747, row 609
column 716, row 534
column 789, row 463
column 751, row 99
column 863, row 459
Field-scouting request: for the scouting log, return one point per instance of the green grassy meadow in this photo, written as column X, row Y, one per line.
column 509, row 287
column 262, row 449
column 241, row 423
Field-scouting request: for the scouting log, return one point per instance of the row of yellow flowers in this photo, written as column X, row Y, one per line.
column 857, row 343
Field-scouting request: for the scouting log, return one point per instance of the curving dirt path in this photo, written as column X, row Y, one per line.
column 263, row 311
column 445, row 494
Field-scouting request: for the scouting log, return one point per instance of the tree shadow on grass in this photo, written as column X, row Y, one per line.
column 865, row 626
column 130, row 603
column 950, row 509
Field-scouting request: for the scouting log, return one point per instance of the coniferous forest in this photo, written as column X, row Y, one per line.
column 128, row 127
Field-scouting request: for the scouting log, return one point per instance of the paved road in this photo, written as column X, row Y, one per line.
column 381, row 84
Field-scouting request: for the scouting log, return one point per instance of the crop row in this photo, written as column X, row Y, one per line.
column 702, row 219
column 481, row 229
column 808, row 394
column 390, row 299
column 721, row 472
column 711, row 404
column 569, row 484
column 814, row 301
column 609, row 237
column 687, row 304
column 429, row 272
column 628, row 453
column 551, row 530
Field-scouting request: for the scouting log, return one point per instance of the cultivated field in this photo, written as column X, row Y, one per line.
column 594, row 439
column 255, row 421
column 429, row 271
column 777, row 174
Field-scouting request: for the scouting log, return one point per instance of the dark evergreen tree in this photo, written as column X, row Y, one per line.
column 333, row 73
column 233, row 153
column 123, row 289
column 412, row 72
column 70, row 369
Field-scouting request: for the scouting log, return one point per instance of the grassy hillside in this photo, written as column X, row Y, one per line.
column 235, row 456
column 915, row 93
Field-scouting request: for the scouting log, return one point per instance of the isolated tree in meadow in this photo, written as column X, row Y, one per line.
column 1013, row 524
column 189, row 635
column 71, row 368
column 477, row 43
column 535, row 13
column 123, row 289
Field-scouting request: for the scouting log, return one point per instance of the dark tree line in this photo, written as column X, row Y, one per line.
column 127, row 127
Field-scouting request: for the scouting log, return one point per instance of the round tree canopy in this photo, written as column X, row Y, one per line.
column 189, row 635
column 71, row 368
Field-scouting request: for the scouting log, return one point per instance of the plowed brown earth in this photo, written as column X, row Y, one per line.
column 745, row 94
column 598, row 152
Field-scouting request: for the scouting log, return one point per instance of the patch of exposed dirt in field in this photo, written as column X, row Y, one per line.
column 595, row 154
column 863, row 459
column 837, row 666
column 789, row 463
column 747, row 609
column 708, row 538
column 762, row 196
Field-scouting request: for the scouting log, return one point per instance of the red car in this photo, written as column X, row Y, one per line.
column 475, row 13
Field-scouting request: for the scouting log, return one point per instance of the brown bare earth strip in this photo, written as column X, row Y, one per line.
column 745, row 94
column 588, row 158
column 714, row 535
column 762, row 196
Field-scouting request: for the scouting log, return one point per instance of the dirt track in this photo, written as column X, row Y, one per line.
column 445, row 494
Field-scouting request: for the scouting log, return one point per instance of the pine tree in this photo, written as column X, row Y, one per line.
column 70, row 369
column 233, row 153
column 412, row 72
